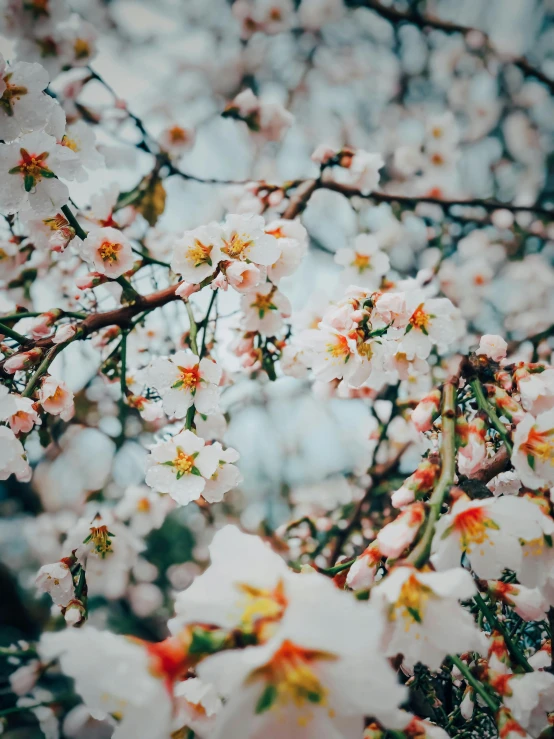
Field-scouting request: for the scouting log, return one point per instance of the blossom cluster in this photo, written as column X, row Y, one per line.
column 276, row 373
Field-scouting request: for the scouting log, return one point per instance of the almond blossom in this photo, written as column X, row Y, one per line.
column 23, row 106
column 56, row 398
column 181, row 466
column 108, row 252
column 293, row 683
column 244, row 238
column 197, row 253
column 29, row 172
column 18, row 411
column 533, row 454
column 420, row 608
column 56, row 580
column 12, row 457
column 364, row 263
column 245, row 586
column 488, row 532
column 264, row 309
column 131, row 694
column 183, row 380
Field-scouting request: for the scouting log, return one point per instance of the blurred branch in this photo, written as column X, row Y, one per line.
column 426, row 22
column 382, row 197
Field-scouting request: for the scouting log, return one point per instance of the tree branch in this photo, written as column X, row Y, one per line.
column 426, row 22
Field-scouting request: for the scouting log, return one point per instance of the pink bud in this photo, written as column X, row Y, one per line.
column 220, row 283
column 21, row 361
column 93, row 279
column 186, row 289
column 64, row 333
column 243, row 277
column 492, row 346
column 426, row 411
column 322, row 154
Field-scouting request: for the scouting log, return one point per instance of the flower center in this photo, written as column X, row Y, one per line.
column 38, row 8
column 100, row 537
column 290, row 677
column 32, row 167
column 339, row 348
column 11, row 94
column 47, row 47
column 412, row 601
column 361, row 262
column 420, row 319
column 236, row 245
column 199, row 253
column 108, row 251
column 263, row 303
column 177, row 135
column 189, row 377
column 539, row 447
column 437, row 159
column 70, row 143
column 143, row 505
column 183, row 463
column 472, row 525
column 260, row 605
column 81, row 48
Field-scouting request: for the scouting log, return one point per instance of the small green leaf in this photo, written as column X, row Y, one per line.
column 29, row 181
column 267, row 699
column 196, row 471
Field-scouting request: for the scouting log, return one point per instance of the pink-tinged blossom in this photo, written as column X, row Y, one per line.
column 17, row 411
column 361, row 574
column 533, row 454
column 489, row 532
column 107, row 251
column 12, row 457
column 243, row 277
column 492, row 346
column 400, row 533
column 528, row 603
column 56, row 398
column 56, row 580
column 427, row 411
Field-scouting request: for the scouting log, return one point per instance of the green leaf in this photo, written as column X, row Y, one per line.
column 47, row 173
column 177, row 384
column 206, row 642
column 29, row 181
column 409, row 327
column 267, row 699
column 196, row 471
column 414, row 613
column 531, row 461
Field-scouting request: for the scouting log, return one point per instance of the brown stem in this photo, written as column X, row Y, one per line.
column 425, row 22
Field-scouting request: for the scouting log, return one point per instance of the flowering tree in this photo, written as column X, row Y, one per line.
column 319, row 231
